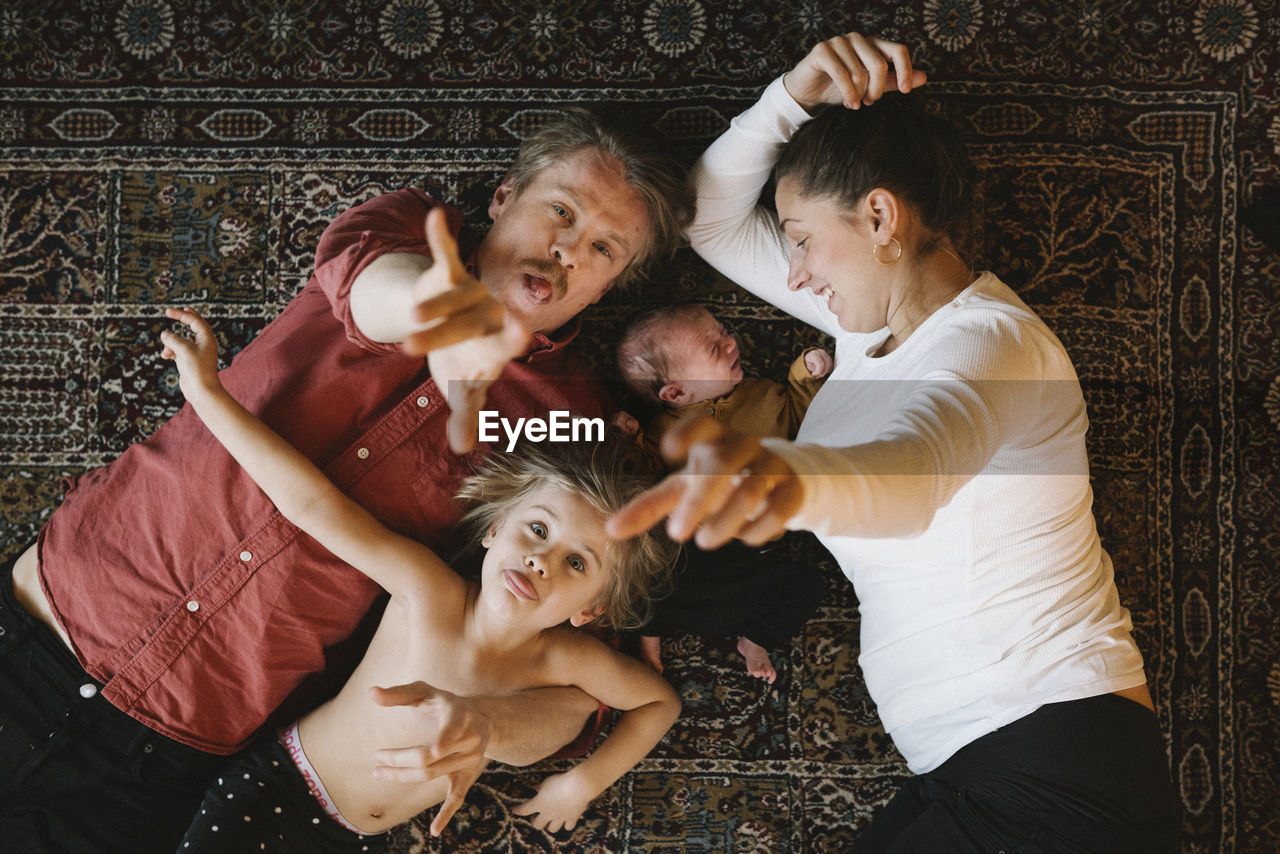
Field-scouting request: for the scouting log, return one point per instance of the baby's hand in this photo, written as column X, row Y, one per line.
column 196, row 357
column 819, row 363
column 560, row 802
column 625, row 422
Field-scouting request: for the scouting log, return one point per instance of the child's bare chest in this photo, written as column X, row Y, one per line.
column 438, row 654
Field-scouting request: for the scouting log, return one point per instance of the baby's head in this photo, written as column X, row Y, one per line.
column 540, row 512
column 679, row 355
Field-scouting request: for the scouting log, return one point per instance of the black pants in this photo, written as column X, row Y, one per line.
column 1086, row 777
column 76, row 773
column 759, row 593
column 262, row 804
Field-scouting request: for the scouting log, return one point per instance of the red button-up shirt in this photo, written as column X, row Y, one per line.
column 184, row 591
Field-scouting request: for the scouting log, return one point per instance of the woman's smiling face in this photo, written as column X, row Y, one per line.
column 831, row 255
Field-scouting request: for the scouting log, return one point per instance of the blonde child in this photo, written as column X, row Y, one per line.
column 548, row 566
column 683, row 360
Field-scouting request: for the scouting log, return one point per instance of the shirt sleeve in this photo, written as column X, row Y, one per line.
column 731, row 231
column 1016, row 395
column 801, row 388
column 395, row 222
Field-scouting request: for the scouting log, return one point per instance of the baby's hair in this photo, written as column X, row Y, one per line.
column 643, row 361
column 602, row 474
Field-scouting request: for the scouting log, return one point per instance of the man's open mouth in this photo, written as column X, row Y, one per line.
column 539, row 290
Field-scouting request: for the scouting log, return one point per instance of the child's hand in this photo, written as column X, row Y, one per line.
column 819, row 363
column 455, row 753
column 196, row 357
column 560, row 802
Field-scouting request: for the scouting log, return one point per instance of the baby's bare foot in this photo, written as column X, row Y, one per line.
column 758, row 663
column 651, row 651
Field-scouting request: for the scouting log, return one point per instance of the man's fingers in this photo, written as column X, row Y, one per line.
column 444, row 248
column 480, row 320
column 467, row 396
column 466, row 399
column 457, row 299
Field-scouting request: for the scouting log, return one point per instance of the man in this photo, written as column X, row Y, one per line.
column 167, row 612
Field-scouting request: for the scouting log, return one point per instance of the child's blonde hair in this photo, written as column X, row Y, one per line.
column 604, row 475
column 643, row 360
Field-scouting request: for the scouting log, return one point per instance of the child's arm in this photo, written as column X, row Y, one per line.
column 295, row 484
column 650, row 706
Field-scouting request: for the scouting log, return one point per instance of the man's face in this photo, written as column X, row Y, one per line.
column 556, row 246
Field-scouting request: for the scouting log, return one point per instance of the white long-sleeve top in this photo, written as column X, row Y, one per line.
column 948, row 478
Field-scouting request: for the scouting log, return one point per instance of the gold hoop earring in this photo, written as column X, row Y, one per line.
column 875, row 251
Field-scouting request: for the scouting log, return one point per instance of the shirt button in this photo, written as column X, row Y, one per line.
column 710, row 410
column 88, row 690
column 423, row 400
column 246, row 556
column 363, row 453
column 193, row 606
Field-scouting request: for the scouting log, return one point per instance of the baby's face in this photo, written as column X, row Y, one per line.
column 703, row 357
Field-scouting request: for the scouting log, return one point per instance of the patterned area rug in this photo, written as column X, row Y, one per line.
column 156, row 152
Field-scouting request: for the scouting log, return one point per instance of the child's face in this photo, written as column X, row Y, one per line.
column 547, row 560
column 703, row 357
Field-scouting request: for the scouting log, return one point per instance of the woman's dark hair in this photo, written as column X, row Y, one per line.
column 844, row 154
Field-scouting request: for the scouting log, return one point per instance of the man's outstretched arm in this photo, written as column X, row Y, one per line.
column 432, row 306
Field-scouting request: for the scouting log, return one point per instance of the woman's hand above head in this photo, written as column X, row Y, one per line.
column 853, row 70
column 731, row 487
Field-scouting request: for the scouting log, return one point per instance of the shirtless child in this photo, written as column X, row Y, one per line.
column 548, row 562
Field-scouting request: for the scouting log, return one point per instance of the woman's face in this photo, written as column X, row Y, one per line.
column 831, row 255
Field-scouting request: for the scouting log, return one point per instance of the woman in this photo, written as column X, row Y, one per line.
column 943, row 465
